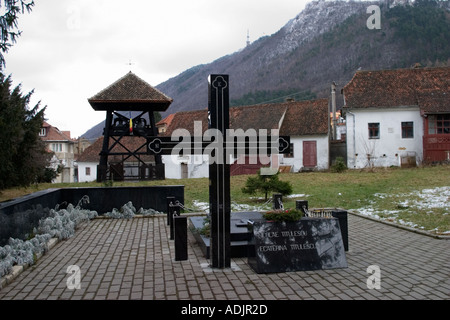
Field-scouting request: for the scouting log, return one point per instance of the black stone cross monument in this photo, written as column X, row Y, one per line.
column 219, row 164
column 219, row 174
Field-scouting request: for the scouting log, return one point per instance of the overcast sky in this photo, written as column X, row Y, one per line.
column 72, row 49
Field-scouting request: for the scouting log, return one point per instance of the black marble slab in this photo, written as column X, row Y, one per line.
column 308, row 244
column 239, row 233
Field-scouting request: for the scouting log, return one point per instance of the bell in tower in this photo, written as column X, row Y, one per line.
column 130, row 104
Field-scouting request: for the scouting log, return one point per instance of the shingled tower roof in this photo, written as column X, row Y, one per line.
column 130, row 93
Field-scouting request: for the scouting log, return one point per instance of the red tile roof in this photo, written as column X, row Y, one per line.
column 263, row 116
column 434, row 102
column 92, row 153
column 428, row 88
column 54, row 134
column 185, row 120
column 166, row 121
column 304, row 118
column 300, row 118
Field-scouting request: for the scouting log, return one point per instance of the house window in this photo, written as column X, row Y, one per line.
column 439, row 124
column 43, row 132
column 407, row 130
column 88, row 171
column 374, row 130
column 57, row 147
column 290, row 154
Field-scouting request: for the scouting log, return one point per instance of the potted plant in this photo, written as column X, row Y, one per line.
column 283, row 215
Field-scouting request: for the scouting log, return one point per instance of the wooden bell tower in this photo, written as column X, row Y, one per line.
column 130, row 103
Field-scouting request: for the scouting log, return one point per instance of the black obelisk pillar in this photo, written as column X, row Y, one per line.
column 219, row 173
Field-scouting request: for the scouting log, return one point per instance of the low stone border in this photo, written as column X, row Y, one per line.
column 17, row 270
column 399, row 226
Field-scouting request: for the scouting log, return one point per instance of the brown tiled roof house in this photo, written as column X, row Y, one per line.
column 306, row 119
column 51, row 133
column 298, row 118
column 62, row 146
column 164, row 123
column 428, row 88
column 424, row 89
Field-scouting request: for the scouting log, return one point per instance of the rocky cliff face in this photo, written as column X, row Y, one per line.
column 317, row 17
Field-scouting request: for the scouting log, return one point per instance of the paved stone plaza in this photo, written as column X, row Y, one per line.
column 134, row 259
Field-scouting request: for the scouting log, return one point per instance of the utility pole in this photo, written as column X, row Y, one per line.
column 333, row 109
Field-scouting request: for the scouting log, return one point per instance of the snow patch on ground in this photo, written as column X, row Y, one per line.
column 204, row 206
column 298, row 195
column 236, row 207
column 418, row 200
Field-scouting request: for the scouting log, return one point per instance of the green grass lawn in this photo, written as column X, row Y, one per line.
column 393, row 194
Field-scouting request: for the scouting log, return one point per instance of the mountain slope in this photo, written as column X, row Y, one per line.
column 262, row 65
column 328, row 41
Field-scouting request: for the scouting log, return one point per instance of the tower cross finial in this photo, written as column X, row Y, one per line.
column 129, row 63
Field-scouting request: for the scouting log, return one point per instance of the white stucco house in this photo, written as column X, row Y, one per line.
column 306, row 122
column 391, row 117
column 382, row 138
column 130, row 166
column 62, row 146
column 88, row 161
